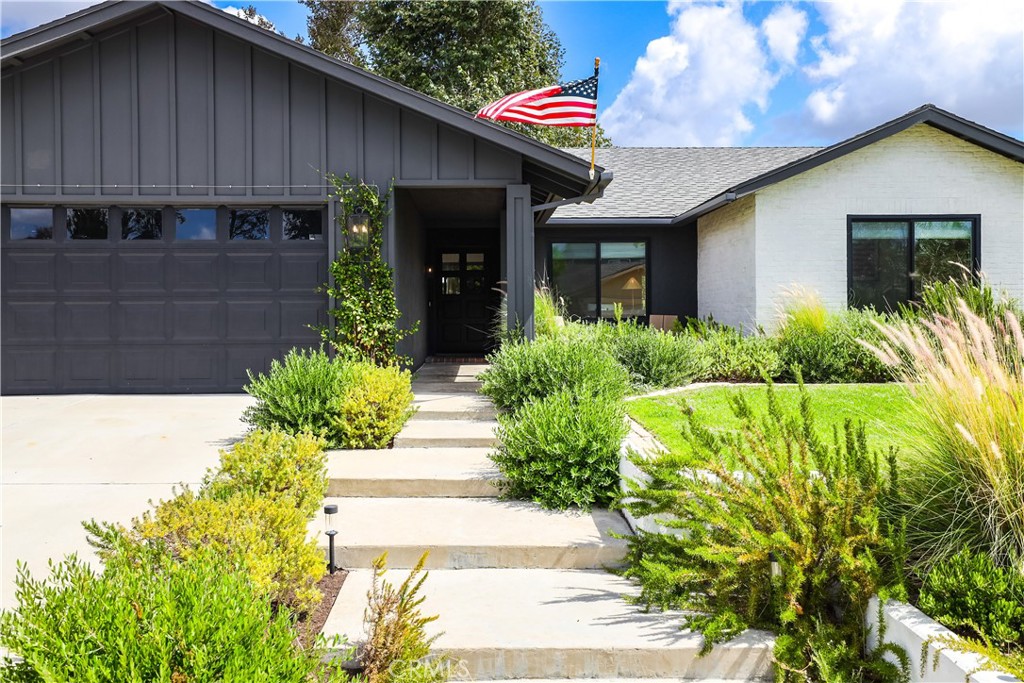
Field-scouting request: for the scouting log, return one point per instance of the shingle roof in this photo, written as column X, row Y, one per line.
column 662, row 182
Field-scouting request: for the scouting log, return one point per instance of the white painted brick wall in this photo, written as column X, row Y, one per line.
column 725, row 264
column 801, row 222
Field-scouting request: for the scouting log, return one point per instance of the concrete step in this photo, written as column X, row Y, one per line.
column 447, row 434
column 441, row 386
column 412, row 473
column 452, row 405
column 469, row 533
column 550, row 624
column 449, row 372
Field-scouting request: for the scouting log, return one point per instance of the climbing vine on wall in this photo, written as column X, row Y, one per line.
column 363, row 307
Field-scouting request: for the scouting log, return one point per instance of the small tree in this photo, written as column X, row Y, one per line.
column 362, row 287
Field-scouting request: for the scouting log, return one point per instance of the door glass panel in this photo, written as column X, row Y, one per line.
column 196, row 224
column 474, row 284
column 249, row 224
column 303, row 224
column 141, row 224
column 474, row 261
column 451, row 285
column 623, row 278
column 87, row 224
column 449, row 261
column 878, row 265
column 31, row 224
column 942, row 251
column 573, row 276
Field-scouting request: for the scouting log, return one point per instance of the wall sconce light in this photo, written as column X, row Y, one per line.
column 774, row 567
column 329, row 512
column 357, row 230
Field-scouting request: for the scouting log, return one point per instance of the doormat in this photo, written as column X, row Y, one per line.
column 456, row 359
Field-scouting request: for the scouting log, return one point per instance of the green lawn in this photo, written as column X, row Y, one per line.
column 883, row 408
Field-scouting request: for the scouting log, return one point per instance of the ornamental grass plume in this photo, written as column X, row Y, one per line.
column 962, row 473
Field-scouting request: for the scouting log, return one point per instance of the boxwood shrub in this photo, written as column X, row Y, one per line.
column 563, row 449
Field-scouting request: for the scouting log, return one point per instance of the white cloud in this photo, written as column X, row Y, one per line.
column 882, row 58
column 692, row 86
column 20, row 15
column 257, row 19
column 784, row 30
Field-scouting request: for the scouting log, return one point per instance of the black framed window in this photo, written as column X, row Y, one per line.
column 249, row 224
column 595, row 277
column 88, row 224
column 303, row 224
column 195, row 224
column 142, row 224
column 31, row 223
column 892, row 258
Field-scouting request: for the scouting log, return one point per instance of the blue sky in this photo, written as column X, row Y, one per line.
column 757, row 73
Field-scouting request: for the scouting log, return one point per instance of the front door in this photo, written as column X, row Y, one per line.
column 464, row 299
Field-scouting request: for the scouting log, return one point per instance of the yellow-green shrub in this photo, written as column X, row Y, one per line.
column 266, row 535
column 273, row 465
column 374, row 407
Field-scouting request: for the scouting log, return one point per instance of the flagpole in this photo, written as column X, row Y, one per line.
column 593, row 131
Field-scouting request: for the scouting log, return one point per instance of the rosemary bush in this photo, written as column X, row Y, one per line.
column 773, row 490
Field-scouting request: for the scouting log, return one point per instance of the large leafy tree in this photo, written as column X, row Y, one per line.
column 463, row 52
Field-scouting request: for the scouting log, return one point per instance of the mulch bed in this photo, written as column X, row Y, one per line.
column 311, row 624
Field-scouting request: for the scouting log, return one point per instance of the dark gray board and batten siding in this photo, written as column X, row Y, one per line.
column 166, row 111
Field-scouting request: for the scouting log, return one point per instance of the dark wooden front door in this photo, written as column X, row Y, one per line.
column 463, row 298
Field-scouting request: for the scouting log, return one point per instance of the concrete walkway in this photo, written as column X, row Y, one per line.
column 68, row 459
column 522, row 592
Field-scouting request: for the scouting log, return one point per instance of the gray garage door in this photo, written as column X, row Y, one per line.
column 144, row 299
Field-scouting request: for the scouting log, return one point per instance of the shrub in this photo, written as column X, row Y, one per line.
column 397, row 646
column 374, row 408
column 297, row 394
column 273, row 465
column 267, row 537
column 772, row 491
column 724, row 354
column 521, row 371
column 653, row 358
column 349, row 404
column 562, row 450
column 151, row 617
column 963, row 474
column 548, row 312
column 969, row 593
column 943, row 297
column 826, row 346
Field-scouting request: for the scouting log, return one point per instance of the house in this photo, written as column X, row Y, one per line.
column 165, row 222
column 867, row 221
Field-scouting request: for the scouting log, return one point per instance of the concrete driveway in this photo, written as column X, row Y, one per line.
column 66, row 459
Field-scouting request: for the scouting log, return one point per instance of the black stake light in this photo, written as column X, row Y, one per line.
column 329, row 512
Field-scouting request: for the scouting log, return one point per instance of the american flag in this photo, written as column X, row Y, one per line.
column 566, row 104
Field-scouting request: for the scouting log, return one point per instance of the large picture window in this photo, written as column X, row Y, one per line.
column 592, row 277
column 893, row 258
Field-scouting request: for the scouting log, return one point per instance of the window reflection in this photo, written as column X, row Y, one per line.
column 249, row 224
column 87, row 224
column 303, row 224
column 196, row 224
column 141, row 224
column 31, row 224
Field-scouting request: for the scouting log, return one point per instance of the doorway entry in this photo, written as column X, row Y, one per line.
column 463, row 294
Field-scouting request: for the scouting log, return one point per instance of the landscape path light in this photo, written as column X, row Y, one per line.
column 329, row 512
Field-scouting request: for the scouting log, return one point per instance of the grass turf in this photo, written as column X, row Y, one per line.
column 883, row 408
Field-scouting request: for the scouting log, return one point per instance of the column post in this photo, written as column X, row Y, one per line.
column 519, row 265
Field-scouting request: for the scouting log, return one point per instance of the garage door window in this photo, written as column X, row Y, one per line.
column 196, row 224
column 87, row 224
column 141, row 224
column 31, row 224
column 303, row 224
column 249, row 224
